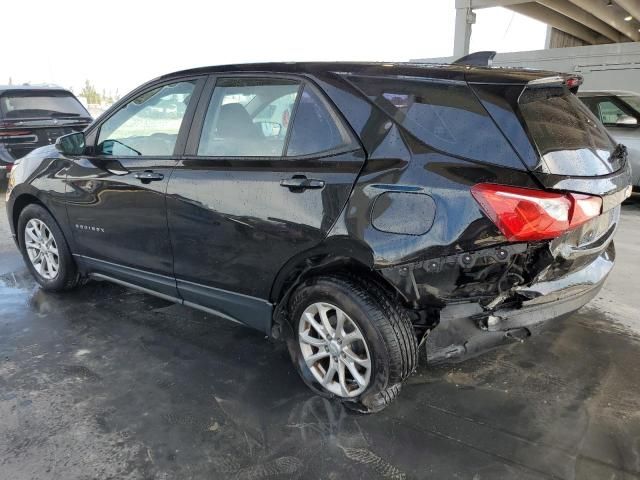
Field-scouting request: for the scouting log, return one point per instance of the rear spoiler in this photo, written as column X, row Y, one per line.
column 476, row 59
column 572, row 82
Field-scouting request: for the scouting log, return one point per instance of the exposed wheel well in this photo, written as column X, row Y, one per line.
column 423, row 319
column 324, row 265
column 20, row 204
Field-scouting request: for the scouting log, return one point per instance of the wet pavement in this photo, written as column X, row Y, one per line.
column 105, row 382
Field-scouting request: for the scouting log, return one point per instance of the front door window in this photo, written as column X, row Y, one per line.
column 148, row 125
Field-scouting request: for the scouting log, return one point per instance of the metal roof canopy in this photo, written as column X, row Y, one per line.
column 592, row 21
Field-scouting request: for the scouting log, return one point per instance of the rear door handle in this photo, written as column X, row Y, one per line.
column 148, row 176
column 301, row 183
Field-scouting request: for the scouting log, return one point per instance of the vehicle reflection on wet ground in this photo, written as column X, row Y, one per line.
column 108, row 382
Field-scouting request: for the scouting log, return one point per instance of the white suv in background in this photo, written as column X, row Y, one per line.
column 620, row 113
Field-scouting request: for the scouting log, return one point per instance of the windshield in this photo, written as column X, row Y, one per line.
column 633, row 101
column 40, row 104
column 569, row 138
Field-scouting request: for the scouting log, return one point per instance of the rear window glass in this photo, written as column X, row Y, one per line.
column 569, row 138
column 40, row 105
column 248, row 117
column 314, row 128
column 444, row 115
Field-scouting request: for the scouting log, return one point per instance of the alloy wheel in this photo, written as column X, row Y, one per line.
column 42, row 249
column 334, row 349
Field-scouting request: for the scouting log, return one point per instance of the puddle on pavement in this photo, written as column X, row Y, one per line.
column 16, row 290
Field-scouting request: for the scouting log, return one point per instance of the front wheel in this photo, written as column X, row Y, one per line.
column 45, row 249
column 351, row 341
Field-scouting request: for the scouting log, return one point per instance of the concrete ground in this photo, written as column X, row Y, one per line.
column 106, row 382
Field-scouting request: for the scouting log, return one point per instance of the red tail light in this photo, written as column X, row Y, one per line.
column 585, row 207
column 524, row 214
column 573, row 82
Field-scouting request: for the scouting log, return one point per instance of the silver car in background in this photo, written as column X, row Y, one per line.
column 620, row 113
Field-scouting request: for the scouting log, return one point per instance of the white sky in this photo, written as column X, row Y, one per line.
column 120, row 44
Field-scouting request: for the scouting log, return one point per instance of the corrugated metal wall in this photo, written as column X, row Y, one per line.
column 604, row 67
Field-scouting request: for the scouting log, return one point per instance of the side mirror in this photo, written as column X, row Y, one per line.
column 626, row 121
column 71, row 144
column 117, row 149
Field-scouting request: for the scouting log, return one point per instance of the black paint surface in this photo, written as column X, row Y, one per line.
column 105, row 382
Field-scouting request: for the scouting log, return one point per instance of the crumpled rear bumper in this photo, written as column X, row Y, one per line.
column 554, row 298
column 466, row 329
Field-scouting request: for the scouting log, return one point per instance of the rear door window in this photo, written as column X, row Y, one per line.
column 444, row 115
column 315, row 127
column 248, row 117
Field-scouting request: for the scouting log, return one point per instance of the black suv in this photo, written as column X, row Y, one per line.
column 355, row 210
column 33, row 116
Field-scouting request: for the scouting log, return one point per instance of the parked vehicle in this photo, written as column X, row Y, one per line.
column 398, row 205
column 33, row 116
column 620, row 113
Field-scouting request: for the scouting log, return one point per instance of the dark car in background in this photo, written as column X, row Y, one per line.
column 33, row 116
column 358, row 210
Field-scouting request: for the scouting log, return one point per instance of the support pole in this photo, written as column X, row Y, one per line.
column 462, row 39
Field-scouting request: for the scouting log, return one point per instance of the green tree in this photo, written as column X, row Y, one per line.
column 90, row 93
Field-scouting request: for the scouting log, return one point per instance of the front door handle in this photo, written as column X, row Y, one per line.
column 148, row 176
column 300, row 182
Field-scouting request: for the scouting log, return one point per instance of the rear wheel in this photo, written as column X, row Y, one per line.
column 45, row 249
column 351, row 341
column 334, row 349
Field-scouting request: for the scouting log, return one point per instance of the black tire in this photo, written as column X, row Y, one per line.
column 384, row 324
column 67, row 276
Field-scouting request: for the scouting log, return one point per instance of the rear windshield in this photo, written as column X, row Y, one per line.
column 40, row 104
column 442, row 114
column 569, row 138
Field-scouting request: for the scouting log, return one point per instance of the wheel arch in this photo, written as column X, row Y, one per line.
column 337, row 256
column 21, row 201
column 19, row 204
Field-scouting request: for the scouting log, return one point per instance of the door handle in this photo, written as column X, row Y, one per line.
column 300, row 182
column 148, row 176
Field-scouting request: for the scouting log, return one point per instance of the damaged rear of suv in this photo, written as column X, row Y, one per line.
column 361, row 211
column 517, row 188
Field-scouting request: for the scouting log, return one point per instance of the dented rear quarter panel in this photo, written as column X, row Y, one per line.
column 398, row 162
column 458, row 225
